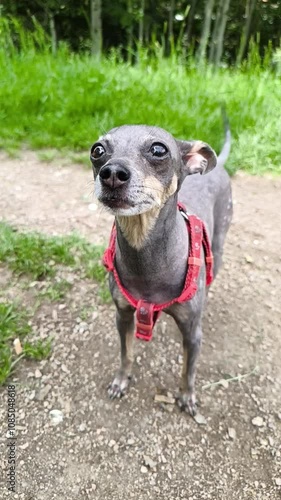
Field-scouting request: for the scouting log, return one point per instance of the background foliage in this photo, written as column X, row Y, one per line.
column 58, row 90
column 125, row 23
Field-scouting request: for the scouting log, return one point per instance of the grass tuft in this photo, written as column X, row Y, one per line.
column 14, row 324
column 41, row 349
column 40, row 257
column 56, row 291
column 32, row 253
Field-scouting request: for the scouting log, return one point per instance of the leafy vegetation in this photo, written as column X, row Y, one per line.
column 66, row 102
column 14, row 324
column 220, row 29
column 39, row 257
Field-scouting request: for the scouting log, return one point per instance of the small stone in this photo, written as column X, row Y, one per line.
column 130, row 441
column 270, row 441
column 43, row 392
column 278, row 481
column 37, row 373
column 31, row 395
column 170, row 439
column 200, row 419
column 258, row 421
column 56, row 416
column 82, row 427
column 232, row 433
column 111, row 443
column 249, row 259
column 224, row 383
column 144, row 469
column 149, row 462
column 24, row 446
column 161, row 398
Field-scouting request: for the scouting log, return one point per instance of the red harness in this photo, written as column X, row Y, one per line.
column 147, row 313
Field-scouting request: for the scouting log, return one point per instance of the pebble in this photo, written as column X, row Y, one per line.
column 149, row 462
column 37, row 373
column 249, row 259
column 43, row 392
column 258, row 421
column 278, row 481
column 31, row 395
column 56, row 416
column 82, row 427
column 161, row 398
column 144, row 469
column 231, row 432
column 200, row 419
column 24, row 446
column 224, row 383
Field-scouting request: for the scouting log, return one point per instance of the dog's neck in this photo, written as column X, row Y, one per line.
column 151, row 253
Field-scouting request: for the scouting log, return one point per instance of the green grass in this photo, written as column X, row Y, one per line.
column 41, row 349
column 56, row 291
column 38, row 257
column 66, row 102
column 33, row 254
column 14, row 324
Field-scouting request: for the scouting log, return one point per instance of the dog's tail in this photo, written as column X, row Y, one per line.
column 224, row 154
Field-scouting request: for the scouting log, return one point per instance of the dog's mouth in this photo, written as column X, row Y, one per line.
column 115, row 202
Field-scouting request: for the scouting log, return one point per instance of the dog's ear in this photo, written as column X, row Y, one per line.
column 197, row 157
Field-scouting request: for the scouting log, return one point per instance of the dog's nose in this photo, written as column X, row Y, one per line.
column 114, row 176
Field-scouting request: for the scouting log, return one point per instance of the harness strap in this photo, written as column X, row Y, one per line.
column 147, row 313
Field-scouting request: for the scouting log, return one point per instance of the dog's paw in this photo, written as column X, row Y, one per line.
column 187, row 402
column 119, row 386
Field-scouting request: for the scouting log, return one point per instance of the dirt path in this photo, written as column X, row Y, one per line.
column 136, row 448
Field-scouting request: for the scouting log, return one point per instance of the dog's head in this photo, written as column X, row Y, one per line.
column 137, row 168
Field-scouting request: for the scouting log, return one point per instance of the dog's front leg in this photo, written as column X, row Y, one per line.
column 125, row 326
column 189, row 323
column 191, row 347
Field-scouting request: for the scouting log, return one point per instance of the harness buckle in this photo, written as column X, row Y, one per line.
column 145, row 320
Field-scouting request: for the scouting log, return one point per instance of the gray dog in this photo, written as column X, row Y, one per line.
column 161, row 256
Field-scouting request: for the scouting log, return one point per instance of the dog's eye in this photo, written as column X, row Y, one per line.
column 158, row 149
column 97, row 151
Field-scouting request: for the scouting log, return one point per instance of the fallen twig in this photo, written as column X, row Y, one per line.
column 223, row 381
